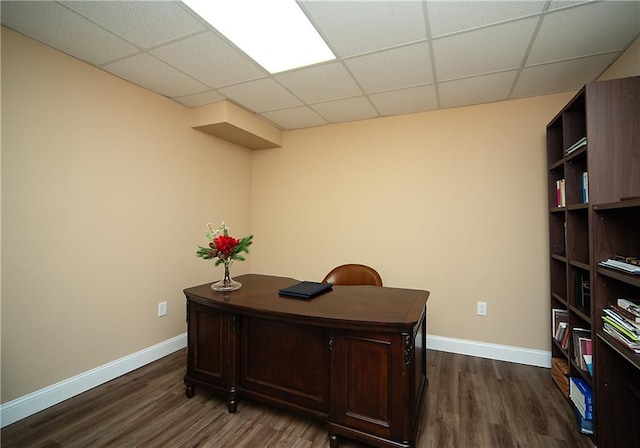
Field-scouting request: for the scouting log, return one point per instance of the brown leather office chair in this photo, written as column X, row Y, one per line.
column 353, row 274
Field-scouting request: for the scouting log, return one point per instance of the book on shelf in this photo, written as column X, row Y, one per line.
column 564, row 343
column 577, row 145
column 584, row 425
column 560, row 193
column 581, row 396
column 623, row 266
column 585, row 187
column 612, row 331
column 588, row 360
column 629, row 325
column 631, row 306
column 558, row 316
column 628, row 315
column 621, row 327
column 580, row 393
column 562, row 333
column 586, row 354
column 582, row 289
column 587, row 414
column 581, row 346
column 626, row 259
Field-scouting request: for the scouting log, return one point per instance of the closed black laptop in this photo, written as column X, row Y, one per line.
column 305, row 290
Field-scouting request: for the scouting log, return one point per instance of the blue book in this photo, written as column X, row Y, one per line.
column 306, row 290
column 586, row 414
column 582, row 398
column 585, row 425
column 585, row 187
column 582, row 390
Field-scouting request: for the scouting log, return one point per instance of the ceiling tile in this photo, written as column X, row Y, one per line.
column 295, row 118
column 143, row 23
column 200, row 99
column 210, row 60
column 446, row 17
column 72, row 33
column 483, row 51
column 477, row 90
column 406, row 101
column 356, row 27
column 468, row 55
column 393, row 69
column 261, row 96
column 143, row 69
column 351, row 109
column 320, row 83
column 560, row 76
column 611, row 26
column 555, row 4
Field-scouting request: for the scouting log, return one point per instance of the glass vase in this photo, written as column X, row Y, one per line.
column 227, row 283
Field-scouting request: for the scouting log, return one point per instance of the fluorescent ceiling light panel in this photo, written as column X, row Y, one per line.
column 274, row 33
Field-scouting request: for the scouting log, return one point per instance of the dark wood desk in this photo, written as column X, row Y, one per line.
column 354, row 357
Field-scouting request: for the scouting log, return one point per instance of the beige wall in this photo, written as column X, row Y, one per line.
column 106, row 191
column 452, row 201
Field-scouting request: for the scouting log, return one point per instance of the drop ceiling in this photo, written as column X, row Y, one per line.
column 393, row 57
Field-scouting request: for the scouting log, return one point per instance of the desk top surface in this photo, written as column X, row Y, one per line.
column 368, row 305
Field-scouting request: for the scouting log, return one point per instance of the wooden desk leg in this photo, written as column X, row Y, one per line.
column 190, row 391
column 232, row 402
column 334, row 442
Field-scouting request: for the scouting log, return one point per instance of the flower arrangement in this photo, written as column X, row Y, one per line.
column 223, row 247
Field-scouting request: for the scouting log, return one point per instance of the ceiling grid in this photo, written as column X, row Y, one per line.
column 392, row 57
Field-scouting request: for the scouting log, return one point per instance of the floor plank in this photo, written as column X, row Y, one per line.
column 470, row 402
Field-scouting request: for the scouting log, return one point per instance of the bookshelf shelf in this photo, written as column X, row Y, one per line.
column 593, row 155
column 560, row 258
column 557, row 165
column 624, row 204
column 576, row 155
column 559, row 299
column 581, row 373
column 620, row 276
column 581, row 314
column 559, row 347
column 580, row 265
column 631, row 358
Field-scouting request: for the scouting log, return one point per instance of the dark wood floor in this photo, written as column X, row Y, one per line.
column 470, row 402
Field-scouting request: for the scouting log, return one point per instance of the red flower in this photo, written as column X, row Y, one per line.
column 225, row 244
column 223, row 247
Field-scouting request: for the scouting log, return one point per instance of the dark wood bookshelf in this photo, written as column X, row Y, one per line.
column 631, row 357
column 579, row 264
column 559, row 299
column 587, row 230
column 633, row 280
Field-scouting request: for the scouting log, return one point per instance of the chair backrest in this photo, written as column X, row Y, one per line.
column 353, row 274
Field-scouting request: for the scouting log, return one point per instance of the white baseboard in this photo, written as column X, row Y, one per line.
column 22, row 407
column 538, row 358
column 37, row 401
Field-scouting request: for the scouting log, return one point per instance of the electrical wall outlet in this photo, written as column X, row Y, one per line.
column 482, row 308
column 162, row 309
